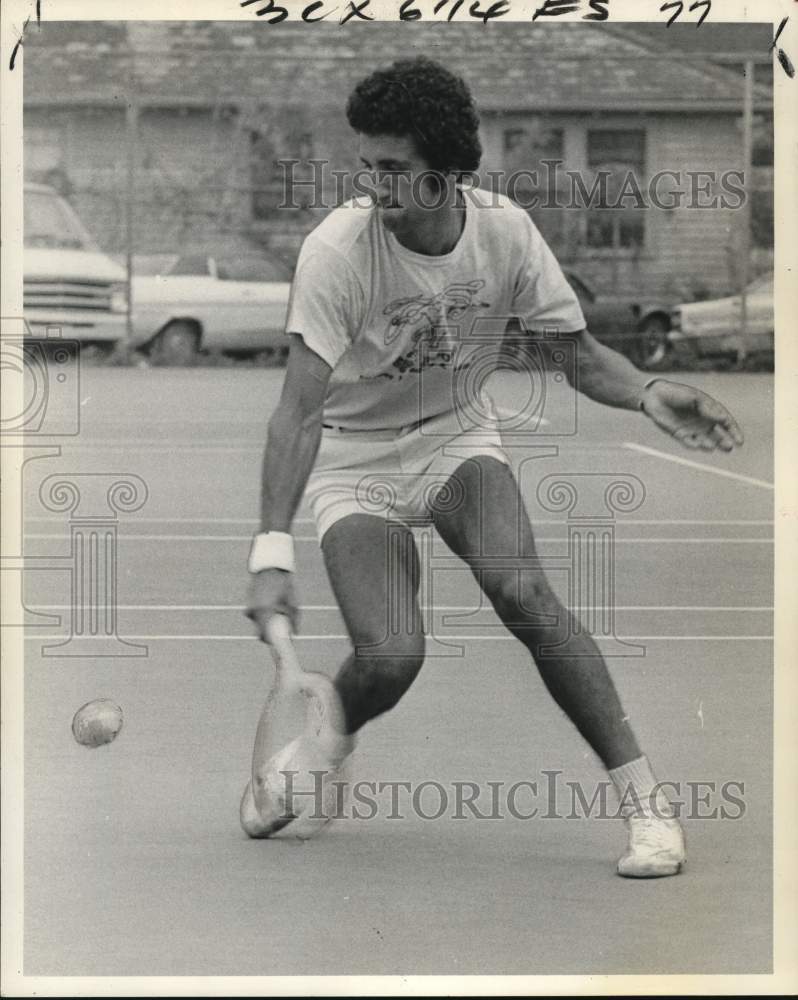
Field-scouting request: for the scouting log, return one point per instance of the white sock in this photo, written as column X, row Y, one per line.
column 635, row 784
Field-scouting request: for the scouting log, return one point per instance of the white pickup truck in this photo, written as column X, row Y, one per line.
column 70, row 285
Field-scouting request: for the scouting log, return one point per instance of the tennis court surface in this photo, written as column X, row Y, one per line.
column 135, row 863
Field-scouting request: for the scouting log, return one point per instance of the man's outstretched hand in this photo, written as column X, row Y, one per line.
column 690, row 416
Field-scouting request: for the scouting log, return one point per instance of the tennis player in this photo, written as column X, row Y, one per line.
column 387, row 292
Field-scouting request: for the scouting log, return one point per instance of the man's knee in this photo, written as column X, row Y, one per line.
column 524, row 598
column 388, row 666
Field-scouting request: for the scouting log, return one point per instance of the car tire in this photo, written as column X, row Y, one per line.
column 267, row 358
column 177, row 345
column 654, row 348
column 96, row 354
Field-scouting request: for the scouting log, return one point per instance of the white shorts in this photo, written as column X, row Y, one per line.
column 395, row 474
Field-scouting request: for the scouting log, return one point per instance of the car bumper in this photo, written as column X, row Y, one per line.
column 78, row 325
column 720, row 345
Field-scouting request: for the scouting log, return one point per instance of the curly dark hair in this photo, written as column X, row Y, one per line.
column 419, row 97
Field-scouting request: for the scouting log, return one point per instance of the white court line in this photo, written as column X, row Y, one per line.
column 309, row 520
column 668, row 457
column 437, row 607
column 160, row 449
column 88, row 441
column 238, row 448
column 184, row 421
column 314, row 538
column 504, row 414
column 442, row 638
column 225, row 520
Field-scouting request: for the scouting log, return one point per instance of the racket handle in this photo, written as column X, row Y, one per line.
column 278, row 629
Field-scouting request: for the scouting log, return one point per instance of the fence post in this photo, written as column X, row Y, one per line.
column 748, row 109
column 131, row 146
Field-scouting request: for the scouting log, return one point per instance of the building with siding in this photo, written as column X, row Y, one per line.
column 220, row 103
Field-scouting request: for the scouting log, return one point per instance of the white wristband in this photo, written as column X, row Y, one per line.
column 651, row 381
column 271, row 550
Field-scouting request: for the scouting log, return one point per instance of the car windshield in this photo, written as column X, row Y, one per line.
column 50, row 223
column 760, row 284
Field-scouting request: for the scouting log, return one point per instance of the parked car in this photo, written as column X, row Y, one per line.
column 196, row 301
column 713, row 329
column 640, row 331
column 69, row 284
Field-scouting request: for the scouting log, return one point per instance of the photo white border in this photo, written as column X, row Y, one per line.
column 785, row 915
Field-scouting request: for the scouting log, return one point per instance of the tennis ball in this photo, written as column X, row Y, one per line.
column 97, row 722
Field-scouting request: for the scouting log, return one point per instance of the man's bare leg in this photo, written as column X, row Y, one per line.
column 376, row 587
column 492, row 522
column 370, row 582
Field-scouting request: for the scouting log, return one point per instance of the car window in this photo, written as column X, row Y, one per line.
column 195, row 264
column 150, row 265
column 250, row 269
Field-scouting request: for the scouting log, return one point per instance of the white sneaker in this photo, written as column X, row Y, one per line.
column 253, row 823
column 281, row 799
column 656, row 847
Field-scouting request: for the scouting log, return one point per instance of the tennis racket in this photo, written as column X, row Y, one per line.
column 302, row 708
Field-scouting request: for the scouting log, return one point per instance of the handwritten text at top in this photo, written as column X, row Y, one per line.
column 415, row 10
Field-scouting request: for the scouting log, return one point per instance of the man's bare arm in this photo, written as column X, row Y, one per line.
column 293, row 436
column 292, row 442
column 605, row 375
column 687, row 414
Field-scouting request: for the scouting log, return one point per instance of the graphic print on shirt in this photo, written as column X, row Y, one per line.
column 429, row 322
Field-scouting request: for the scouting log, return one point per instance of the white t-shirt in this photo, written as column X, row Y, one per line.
column 397, row 326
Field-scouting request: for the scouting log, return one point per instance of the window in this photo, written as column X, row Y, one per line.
column 625, row 145
column 513, row 137
column 273, row 182
column 616, row 159
column 530, row 181
column 525, row 149
column 250, row 269
column 191, row 264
